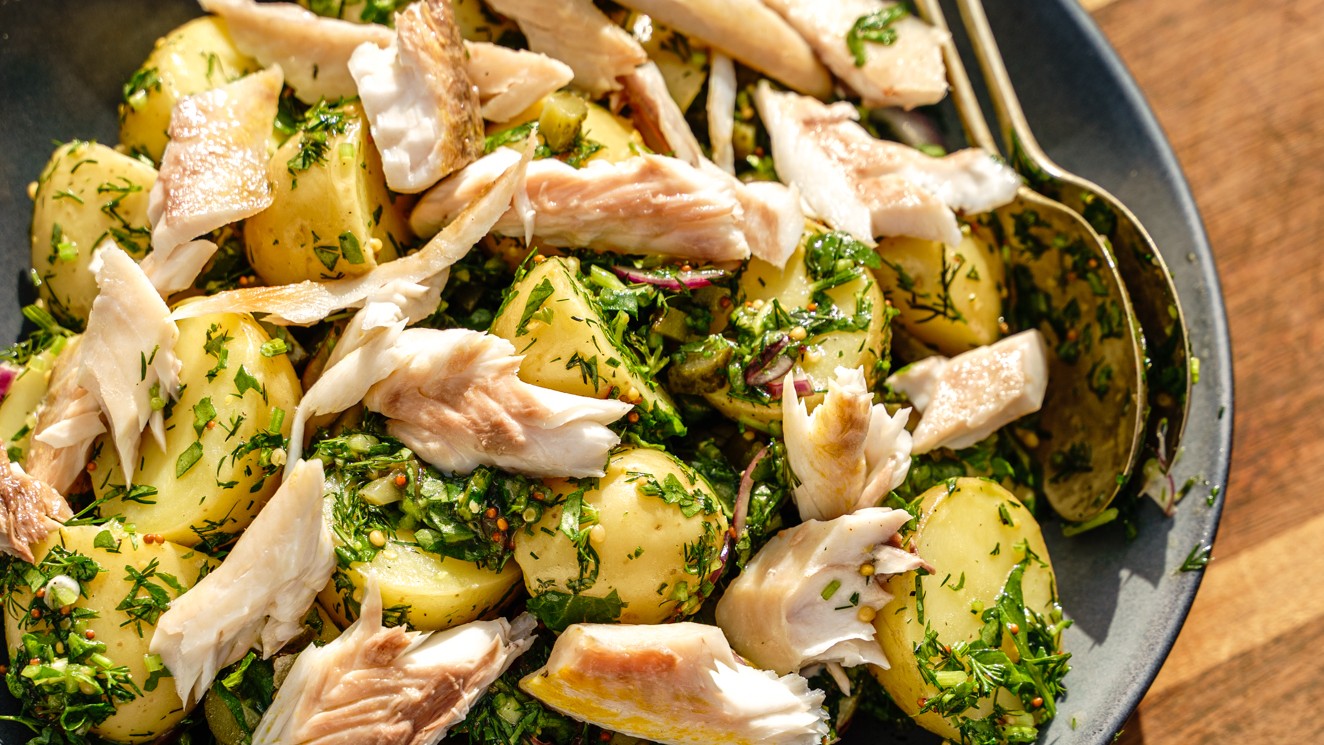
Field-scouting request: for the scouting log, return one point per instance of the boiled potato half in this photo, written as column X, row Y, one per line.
column 127, row 637
column 196, row 57
column 761, row 283
column 86, row 194
column 203, row 488
column 331, row 215
column 433, row 592
column 973, row 533
column 948, row 298
column 551, row 319
column 649, row 552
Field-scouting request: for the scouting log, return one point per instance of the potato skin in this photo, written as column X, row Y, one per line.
column 218, row 495
column 642, row 547
column 967, row 314
column 333, row 219
column 195, row 57
column 86, row 194
column 437, row 592
column 962, row 534
column 156, row 711
column 791, row 287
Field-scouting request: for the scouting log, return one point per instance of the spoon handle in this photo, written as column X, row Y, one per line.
column 962, row 91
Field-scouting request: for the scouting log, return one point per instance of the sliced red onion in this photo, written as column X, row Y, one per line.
column 771, row 364
column 741, row 509
column 913, row 128
column 803, row 387
column 691, row 280
column 8, row 374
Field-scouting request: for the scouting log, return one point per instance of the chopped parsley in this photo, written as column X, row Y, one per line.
column 321, row 122
column 875, row 28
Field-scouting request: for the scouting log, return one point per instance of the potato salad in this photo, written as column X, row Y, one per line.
column 527, row 372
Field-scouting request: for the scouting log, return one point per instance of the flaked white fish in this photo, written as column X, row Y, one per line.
column 29, row 510
column 175, row 269
column 68, row 423
column 259, row 594
column 458, row 403
column 421, row 105
column 312, row 50
column 215, row 167
column 390, row 686
column 749, row 31
column 676, row 683
column 908, row 72
column 771, row 219
column 849, row 453
column 419, row 274
column 770, row 216
column 509, row 81
column 364, row 354
column 970, row 396
column 648, row 204
column 870, row 187
column 797, row 603
column 578, row 34
column 721, row 109
column 128, row 353
column 658, row 117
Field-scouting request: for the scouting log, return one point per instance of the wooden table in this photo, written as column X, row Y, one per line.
column 1239, row 87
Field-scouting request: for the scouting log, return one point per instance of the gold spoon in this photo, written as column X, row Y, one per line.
column 1063, row 280
column 1141, row 265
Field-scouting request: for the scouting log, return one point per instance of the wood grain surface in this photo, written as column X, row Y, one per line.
column 1239, row 87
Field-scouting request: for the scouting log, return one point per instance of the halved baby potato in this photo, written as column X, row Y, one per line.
column 86, row 194
column 217, row 468
column 196, row 57
column 973, row 533
column 331, row 216
column 792, row 287
column 652, row 523
column 127, row 637
column 949, row 298
column 432, row 592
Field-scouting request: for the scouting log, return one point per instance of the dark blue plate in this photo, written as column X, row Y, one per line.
column 62, row 63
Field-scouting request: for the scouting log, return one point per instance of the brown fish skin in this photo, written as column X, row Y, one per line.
column 29, row 510
column 424, row 110
column 428, row 34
